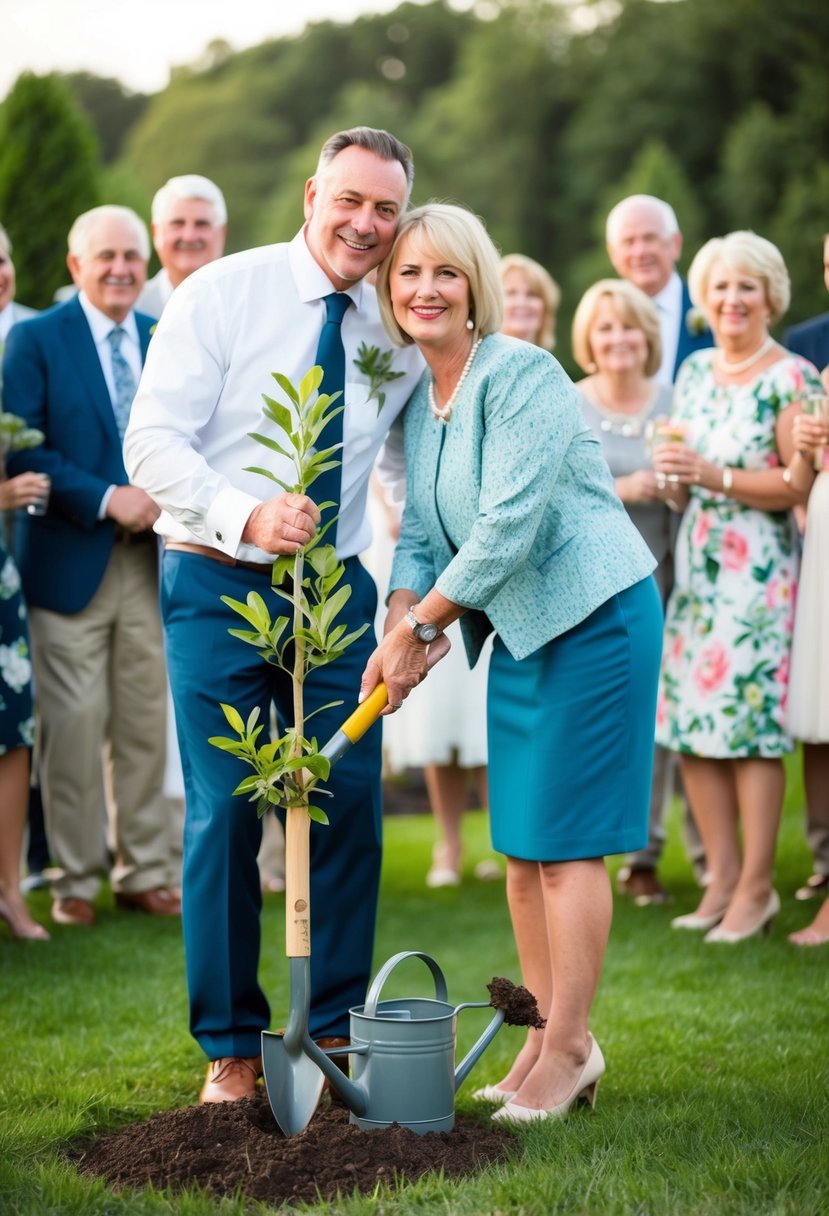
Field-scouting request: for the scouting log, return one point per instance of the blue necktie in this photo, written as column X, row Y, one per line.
column 125, row 385
column 331, row 358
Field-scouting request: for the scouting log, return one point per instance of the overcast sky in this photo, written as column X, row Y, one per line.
column 138, row 41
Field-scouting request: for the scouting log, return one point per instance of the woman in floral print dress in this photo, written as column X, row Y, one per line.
column 729, row 620
column 16, row 721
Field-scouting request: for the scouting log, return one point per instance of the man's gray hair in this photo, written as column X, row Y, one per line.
column 670, row 225
column 381, row 143
column 82, row 231
column 187, row 186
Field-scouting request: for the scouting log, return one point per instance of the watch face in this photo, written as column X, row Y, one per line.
column 426, row 632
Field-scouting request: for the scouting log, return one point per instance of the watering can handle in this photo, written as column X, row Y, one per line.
column 370, row 1007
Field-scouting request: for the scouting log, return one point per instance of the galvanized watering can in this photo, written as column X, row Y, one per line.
column 403, row 1056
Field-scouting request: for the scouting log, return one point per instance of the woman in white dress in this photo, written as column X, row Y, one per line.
column 808, row 707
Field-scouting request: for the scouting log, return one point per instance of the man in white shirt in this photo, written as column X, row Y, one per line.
column 89, row 572
column 189, row 228
column 227, row 328
column 10, row 311
column 644, row 244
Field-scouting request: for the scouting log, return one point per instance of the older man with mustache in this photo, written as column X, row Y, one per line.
column 89, row 571
column 189, row 228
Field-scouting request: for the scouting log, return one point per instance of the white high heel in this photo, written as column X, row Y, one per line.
column 699, row 924
column 491, row 1093
column 729, row 936
column 583, row 1091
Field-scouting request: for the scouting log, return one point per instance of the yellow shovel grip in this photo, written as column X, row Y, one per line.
column 366, row 714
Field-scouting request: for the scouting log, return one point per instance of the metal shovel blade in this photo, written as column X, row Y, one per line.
column 293, row 1083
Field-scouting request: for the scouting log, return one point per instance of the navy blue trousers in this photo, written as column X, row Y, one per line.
column 221, row 894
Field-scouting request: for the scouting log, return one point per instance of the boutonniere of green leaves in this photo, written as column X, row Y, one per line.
column 695, row 322
column 376, row 366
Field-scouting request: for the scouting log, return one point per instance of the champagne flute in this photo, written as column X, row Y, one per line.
column 817, row 406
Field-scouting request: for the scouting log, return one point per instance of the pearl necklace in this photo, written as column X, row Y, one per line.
column 733, row 369
column 616, row 422
column 444, row 413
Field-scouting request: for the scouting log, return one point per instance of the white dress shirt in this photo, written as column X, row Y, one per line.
column 155, row 294
column 226, row 329
column 668, row 302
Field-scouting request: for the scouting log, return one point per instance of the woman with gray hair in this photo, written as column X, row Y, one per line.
column 729, row 622
column 512, row 525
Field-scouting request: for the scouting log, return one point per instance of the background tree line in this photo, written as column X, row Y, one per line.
column 721, row 108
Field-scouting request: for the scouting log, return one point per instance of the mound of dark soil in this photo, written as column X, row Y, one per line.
column 234, row 1145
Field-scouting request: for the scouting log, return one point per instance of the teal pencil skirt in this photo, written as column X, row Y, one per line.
column 571, row 731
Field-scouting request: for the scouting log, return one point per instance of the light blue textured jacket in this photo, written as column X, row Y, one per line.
column 510, row 508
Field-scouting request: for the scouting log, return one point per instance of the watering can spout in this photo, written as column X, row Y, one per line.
column 354, row 1096
column 474, row 1054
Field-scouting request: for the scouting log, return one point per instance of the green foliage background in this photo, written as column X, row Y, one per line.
column 535, row 120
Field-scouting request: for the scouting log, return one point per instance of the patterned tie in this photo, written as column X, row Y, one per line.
column 331, row 358
column 125, row 385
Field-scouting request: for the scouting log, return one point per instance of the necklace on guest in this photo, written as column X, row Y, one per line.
column 444, row 412
column 733, row 369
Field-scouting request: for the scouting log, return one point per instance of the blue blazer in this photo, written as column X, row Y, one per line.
column 510, row 508
column 689, row 342
column 811, row 340
column 52, row 377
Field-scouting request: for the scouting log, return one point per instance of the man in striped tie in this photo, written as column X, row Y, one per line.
column 89, row 571
column 227, row 327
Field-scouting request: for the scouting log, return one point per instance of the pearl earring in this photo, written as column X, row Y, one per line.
column 470, row 324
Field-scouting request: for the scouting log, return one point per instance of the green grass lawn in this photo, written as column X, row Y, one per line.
column 715, row 1099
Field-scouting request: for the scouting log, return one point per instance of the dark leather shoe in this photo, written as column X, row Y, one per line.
column 73, row 912
column 340, row 1061
column 231, row 1078
column 157, row 902
column 642, row 886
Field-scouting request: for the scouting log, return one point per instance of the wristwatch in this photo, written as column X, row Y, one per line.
column 424, row 631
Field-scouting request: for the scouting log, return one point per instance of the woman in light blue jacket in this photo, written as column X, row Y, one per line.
column 512, row 524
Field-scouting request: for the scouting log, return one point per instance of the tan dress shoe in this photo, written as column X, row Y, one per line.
column 231, row 1078
column 157, row 902
column 73, row 912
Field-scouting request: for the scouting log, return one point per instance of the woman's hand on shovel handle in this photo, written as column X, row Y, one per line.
column 401, row 661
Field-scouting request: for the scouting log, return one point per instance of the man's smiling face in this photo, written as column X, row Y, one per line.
column 353, row 208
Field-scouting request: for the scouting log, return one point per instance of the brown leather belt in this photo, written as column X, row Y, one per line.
column 216, row 555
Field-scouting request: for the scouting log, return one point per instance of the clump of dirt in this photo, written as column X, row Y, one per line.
column 230, row 1145
column 519, row 1005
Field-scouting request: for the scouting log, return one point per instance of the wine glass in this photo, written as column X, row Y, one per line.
column 817, row 406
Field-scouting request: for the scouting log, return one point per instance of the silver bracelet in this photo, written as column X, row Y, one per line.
column 727, row 479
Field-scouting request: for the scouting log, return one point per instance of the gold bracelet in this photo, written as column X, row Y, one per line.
column 727, row 480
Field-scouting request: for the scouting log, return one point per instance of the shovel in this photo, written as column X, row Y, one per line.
column 293, row 1081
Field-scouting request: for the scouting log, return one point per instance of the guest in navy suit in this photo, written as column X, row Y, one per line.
column 89, row 571
column 644, row 244
column 811, row 338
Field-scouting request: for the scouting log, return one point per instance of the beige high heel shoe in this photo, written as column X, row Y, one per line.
column 492, row 1093
column 583, row 1091
column 764, row 924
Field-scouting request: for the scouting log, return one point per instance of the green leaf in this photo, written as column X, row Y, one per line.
column 318, row 815
column 287, row 386
column 234, row 718
column 309, row 383
column 248, row 784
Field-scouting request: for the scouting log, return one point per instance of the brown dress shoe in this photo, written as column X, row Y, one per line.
column 642, row 885
column 73, row 912
column 157, row 902
column 231, row 1078
column 340, row 1061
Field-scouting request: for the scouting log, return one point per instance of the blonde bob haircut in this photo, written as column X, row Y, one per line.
column 631, row 305
column 456, row 237
column 751, row 254
column 541, row 284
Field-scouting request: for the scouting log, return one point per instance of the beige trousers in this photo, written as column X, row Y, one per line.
column 101, row 694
